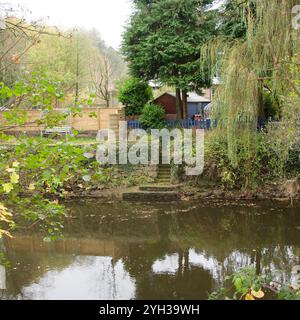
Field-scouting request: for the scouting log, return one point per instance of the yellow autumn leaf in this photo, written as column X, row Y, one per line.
column 8, row 187
column 5, row 216
column 3, row 209
column 14, row 178
column 5, row 233
column 249, row 297
column 257, row 294
column 31, row 187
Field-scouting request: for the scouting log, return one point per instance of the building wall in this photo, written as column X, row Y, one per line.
column 196, row 108
column 193, row 108
column 171, row 117
column 168, row 102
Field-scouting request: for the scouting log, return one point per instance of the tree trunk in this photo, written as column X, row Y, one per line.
column 184, row 104
column 261, row 116
column 107, row 100
column 178, row 104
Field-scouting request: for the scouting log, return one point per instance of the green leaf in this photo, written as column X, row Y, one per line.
column 238, row 283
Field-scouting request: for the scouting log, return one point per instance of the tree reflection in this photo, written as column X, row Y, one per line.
column 177, row 252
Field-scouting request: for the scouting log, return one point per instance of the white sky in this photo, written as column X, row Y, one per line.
column 107, row 16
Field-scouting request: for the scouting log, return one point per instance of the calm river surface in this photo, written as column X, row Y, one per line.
column 138, row 251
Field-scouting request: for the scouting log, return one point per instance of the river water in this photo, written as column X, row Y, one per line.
column 139, row 251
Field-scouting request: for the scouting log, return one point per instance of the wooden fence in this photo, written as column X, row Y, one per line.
column 90, row 119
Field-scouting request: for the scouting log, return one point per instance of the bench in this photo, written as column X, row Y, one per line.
column 57, row 130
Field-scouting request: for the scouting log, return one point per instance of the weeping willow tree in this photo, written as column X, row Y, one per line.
column 265, row 59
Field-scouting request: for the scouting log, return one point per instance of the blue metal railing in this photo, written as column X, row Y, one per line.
column 134, row 124
column 181, row 124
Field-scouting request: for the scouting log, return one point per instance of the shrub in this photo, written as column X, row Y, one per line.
column 246, row 284
column 153, row 116
column 254, row 165
column 134, row 94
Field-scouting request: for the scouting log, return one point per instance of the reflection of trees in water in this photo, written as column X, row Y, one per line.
column 241, row 237
column 29, row 267
column 220, row 240
column 231, row 239
column 188, row 281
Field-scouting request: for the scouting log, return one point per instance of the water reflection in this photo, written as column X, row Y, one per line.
column 2, row 278
column 86, row 278
column 119, row 251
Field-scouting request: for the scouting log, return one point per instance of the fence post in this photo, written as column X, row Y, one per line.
column 99, row 118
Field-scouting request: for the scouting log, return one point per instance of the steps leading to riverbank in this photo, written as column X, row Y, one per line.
column 162, row 191
column 164, row 174
column 160, row 188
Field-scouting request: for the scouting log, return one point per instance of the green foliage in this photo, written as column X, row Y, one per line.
column 69, row 56
column 248, row 68
column 153, row 116
column 246, row 284
column 232, row 22
column 45, row 167
column 283, row 136
column 287, row 293
column 134, row 94
column 37, row 211
column 3, row 260
column 292, row 166
column 34, row 171
column 37, row 174
column 247, row 279
column 271, row 107
column 163, row 40
column 73, row 60
column 251, row 169
column 40, row 67
column 34, row 90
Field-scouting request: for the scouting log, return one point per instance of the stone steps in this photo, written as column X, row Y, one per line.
column 162, row 191
column 164, row 174
column 159, row 188
column 163, row 181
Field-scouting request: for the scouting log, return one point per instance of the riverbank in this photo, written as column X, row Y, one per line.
column 275, row 191
column 205, row 192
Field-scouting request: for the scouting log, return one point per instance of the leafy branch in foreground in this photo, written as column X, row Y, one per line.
column 5, row 218
column 246, row 284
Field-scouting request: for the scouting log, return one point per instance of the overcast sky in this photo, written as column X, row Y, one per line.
column 107, row 16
